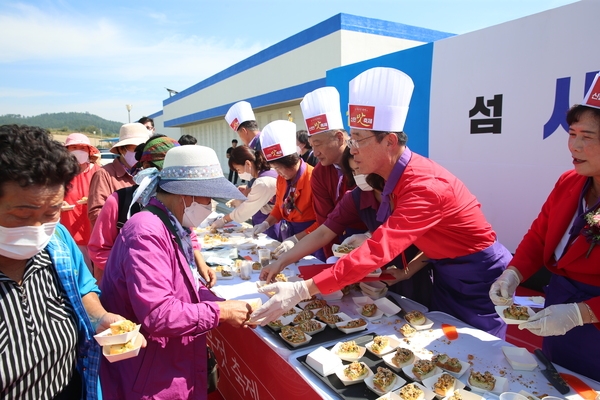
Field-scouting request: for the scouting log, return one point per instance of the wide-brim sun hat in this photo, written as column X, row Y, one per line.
column 196, row 171
column 133, row 133
column 81, row 139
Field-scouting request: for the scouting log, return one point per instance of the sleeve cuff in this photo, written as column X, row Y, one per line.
column 326, row 282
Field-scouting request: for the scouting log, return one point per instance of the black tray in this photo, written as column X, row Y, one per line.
column 358, row 390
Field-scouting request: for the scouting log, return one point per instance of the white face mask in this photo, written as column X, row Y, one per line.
column 361, row 182
column 195, row 213
column 130, row 158
column 81, row 156
column 299, row 150
column 247, row 176
column 24, row 242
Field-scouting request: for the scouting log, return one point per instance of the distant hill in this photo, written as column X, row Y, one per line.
column 66, row 122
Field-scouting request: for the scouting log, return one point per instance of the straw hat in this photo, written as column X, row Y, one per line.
column 133, row 133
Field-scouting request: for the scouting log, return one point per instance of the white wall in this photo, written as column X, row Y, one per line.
column 513, row 172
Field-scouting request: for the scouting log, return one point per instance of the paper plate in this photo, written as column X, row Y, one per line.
column 427, row 325
column 519, row 358
column 396, row 384
column 387, row 306
column 336, row 253
column 343, row 317
column 306, row 337
column 105, row 338
column 393, row 343
column 340, row 325
column 348, row 357
column 378, row 314
column 137, row 342
column 284, row 321
column 388, row 361
column 68, row 207
column 340, row 374
column 500, row 386
column 320, row 329
column 510, row 321
column 408, row 372
column 429, row 382
column 427, row 394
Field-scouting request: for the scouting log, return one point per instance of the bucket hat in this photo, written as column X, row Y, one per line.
column 133, row 133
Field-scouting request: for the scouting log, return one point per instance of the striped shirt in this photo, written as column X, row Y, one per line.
column 38, row 333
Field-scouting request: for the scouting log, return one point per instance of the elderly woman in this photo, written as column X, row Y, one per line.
column 48, row 297
column 563, row 238
column 151, row 277
column 251, row 165
column 294, row 199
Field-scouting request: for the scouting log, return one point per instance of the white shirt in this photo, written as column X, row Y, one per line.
column 263, row 189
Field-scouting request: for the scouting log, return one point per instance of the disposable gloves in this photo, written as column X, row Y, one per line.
column 286, row 245
column 554, row 320
column 286, row 295
column 503, row 289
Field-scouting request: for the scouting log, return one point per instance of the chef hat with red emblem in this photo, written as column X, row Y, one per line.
column 239, row 113
column 592, row 98
column 278, row 139
column 321, row 110
column 379, row 99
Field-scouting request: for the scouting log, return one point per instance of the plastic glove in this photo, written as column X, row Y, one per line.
column 554, row 320
column 287, row 295
column 356, row 240
column 260, row 228
column 503, row 289
column 234, row 203
column 286, row 245
column 219, row 223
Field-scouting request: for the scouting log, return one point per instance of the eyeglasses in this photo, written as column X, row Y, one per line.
column 354, row 144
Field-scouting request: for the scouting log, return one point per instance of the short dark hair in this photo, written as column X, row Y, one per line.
column 375, row 181
column 287, row 161
column 29, row 156
column 302, row 137
column 143, row 120
column 241, row 154
column 187, row 140
column 345, row 165
column 402, row 137
column 576, row 112
column 249, row 125
column 234, row 141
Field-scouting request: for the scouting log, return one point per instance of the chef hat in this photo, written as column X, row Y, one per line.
column 321, row 110
column 278, row 139
column 239, row 113
column 592, row 98
column 379, row 99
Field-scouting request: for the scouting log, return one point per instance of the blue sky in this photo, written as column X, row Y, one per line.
column 98, row 56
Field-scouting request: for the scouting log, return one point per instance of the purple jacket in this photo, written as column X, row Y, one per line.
column 147, row 281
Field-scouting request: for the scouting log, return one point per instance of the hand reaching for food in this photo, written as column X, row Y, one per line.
column 218, row 224
column 260, row 228
column 356, row 240
column 287, row 245
column 269, row 272
column 234, row 312
column 503, row 289
column 554, row 320
column 286, row 295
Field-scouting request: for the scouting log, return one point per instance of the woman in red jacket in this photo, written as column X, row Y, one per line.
column 563, row 238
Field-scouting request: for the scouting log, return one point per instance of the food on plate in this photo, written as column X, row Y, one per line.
column 423, row 369
column 280, row 278
column 456, row 396
column 403, row 356
column 407, row 330
column 315, row 304
column 330, row 318
column 276, row 324
column 368, row 310
column 448, row 363
column 121, row 348
column 355, row 370
column 344, row 248
column 123, row 326
column 327, row 311
column 310, row 326
column 444, row 385
column 516, row 312
column 411, row 392
column 415, row 318
column 293, row 334
column 303, row 316
column 256, row 266
column 226, row 273
column 290, row 312
column 355, row 323
column 348, row 348
column 379, row 343
column 216, row 237
column 485, row 381
column 383, row 379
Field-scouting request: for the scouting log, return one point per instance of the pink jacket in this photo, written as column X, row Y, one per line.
column 149, row 282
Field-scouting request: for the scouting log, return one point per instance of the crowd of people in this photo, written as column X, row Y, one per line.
column 83, row 246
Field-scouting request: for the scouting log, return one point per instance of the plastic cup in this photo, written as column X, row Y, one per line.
column 264, row 257
column 512, row 396
column 246, row 270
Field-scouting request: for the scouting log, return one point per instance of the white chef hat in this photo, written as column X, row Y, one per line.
column 278, row 139
column 239, row 113
column 592, row 98
column 379, row 99
column 321, row 110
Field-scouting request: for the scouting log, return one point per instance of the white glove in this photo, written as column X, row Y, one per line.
column 554, row 320
column 234, row 203
column 260, row 228
column 503, row 289
column 356, row 240
column 286, row 245
column 219, row 223
column 287, row 295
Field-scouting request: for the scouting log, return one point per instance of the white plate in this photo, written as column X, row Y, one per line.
column 388, row 361
column 427, row 325
column 510, row 321
column 465, row 366
column 389, row 396
column 81, row 201
column 350, row 330
column 68, row 208
column 340, row 374
column 466, row 395
column 303, row 304
column 348, row 357
column 500, row 386
column 284, row 320
column 387, row 306
column 138, row 340
column 323, row 361
column 296, row 309
column 519, row 358
column 427, row 394
column 337, row 253
column 105, row 338
column 220, row 275
column 297, row 323
column 397, row 384
column 343, row 316
column 429, row 382
column 391, row 346
column 321, row 329
column 306, row 337
column 362, row 300
column 378, row 314
column 408, row 372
